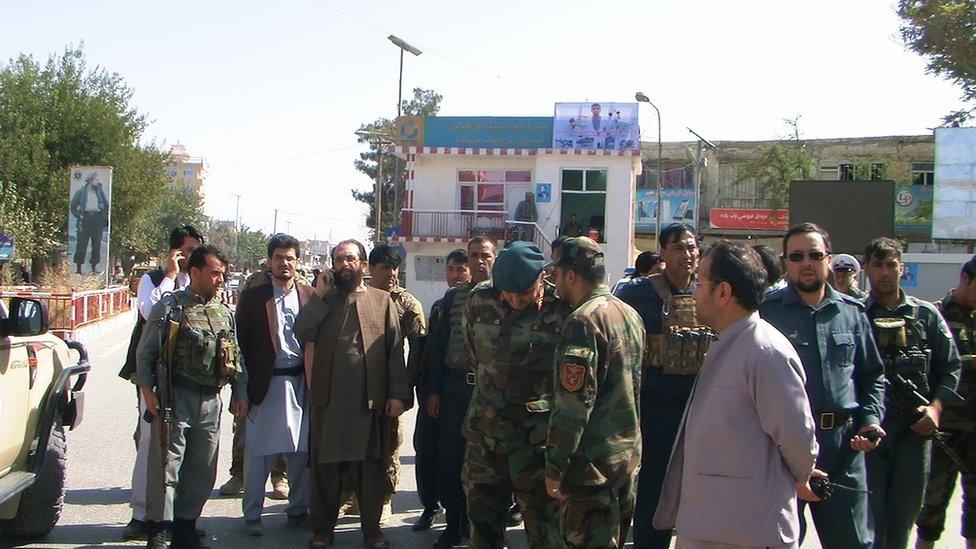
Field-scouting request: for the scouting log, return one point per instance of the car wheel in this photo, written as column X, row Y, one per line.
column 41, row 503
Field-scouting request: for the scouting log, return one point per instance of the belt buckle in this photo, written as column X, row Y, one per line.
column 827, row 421
column 469, row 378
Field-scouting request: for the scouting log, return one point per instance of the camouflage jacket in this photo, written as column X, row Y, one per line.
column 413, row 326
column 594, row 432
column 962, row 324
column 510, row 353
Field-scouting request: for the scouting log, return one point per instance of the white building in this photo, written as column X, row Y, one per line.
column 457, row 187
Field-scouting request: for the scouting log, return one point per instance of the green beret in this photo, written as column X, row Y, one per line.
column 517, row 267
column 579, row 251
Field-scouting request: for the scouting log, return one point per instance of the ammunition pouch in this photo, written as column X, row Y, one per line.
column 680, row 348
column 911, row 364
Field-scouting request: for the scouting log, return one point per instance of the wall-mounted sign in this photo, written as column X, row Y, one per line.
column 596, row 126
column 678, row 205
column 543, row 193
column 490, row 132
column 749, row 219
column 6, row 247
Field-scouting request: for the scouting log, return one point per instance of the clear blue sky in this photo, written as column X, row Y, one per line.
column 245, row 82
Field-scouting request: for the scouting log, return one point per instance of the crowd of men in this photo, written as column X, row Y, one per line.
column 710, row 396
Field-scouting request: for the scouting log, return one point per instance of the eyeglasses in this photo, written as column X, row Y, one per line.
column 345, row 259
column 814, row 255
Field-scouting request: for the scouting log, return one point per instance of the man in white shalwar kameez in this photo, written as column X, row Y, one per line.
column 277, row 422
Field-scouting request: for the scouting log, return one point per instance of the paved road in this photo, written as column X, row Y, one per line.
column 101, row 454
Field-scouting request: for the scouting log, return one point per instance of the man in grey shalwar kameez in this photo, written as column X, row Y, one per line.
column 358, row 379
column 277, row 422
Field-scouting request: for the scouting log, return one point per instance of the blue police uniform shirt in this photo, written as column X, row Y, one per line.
column 836, row 346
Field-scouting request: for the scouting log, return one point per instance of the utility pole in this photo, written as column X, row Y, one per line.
column 237, row 212
column 378, row 195
column 274, row 229
column 699, row 164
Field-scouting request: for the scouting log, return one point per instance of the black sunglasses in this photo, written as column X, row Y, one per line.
column 815, row 255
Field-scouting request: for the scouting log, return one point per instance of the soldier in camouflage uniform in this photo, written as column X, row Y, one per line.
column 958, row 420
column 205, row 359
column 511, row 327
column 593, row 449
column 384, row 265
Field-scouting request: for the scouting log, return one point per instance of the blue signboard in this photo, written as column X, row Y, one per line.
column 678, row 205
column 909, row 278
column 6, row 247
column 490, row 132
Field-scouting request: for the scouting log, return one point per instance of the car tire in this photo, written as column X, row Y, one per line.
column 41, row 503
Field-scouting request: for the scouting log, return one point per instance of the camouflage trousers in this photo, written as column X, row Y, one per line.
column 391, row 454
column 598, row 517
column 941, row 484
column 490, row 476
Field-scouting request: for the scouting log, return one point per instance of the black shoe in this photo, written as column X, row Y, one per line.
column 427, row 519
column 514, row 516
column 449, row 538
column 136, row 529
column 185, row 535
column 155, row 535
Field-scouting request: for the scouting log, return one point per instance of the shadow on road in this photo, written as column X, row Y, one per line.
column 98, row 496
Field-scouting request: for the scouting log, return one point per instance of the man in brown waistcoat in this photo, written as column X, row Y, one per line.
column 358, row 379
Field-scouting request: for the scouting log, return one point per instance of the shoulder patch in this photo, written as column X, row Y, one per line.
column 571, row 376
column 581, row 352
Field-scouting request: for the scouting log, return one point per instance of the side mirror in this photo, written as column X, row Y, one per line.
column 27, row 317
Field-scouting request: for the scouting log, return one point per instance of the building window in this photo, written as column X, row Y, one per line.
column 188, row 174
column 171, row 172
column 584, row 203
column 923, row 173
column 862, row 172
column 845, row 172
column 484, row 190
column 829, row 172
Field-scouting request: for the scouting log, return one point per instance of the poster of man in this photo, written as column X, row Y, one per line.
column 89, row 216
column 596, row 126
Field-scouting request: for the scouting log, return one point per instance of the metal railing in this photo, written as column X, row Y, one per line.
column 530, row 231
column 69, row 311
column 452, row 223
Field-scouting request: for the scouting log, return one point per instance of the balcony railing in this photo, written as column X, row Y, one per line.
column 452, row 223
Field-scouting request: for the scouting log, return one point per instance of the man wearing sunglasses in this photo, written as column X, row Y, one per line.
column 845, row 380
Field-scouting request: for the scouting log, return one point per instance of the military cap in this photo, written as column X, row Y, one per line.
column 580, row 252
column 517, row 267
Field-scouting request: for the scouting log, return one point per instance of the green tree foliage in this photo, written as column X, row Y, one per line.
column 424, row 103
column 245, row 248
column 64, row 113
column 773, row 169
column 944, row 33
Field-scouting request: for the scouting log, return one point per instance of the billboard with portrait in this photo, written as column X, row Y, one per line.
column 596, row 126
column 678, row 206
column 954, row 196
column 89, row 221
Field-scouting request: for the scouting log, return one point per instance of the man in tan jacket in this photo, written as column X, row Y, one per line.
column 358, row 379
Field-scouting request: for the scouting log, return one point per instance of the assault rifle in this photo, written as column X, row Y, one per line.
column 904, row 394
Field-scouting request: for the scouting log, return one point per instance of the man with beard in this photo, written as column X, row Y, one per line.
column 593, row 445
column 358, row 380
column 845, row 380
column 456, row 273
column 449, row 388
column 89, row 206
column 384, row 266
column 277, row 421
column 924, row 355
column 669, row 368
column 510, row 328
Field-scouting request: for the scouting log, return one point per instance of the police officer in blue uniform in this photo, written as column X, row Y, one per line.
column 845, row 380
column 916, row 346
column 663, row 393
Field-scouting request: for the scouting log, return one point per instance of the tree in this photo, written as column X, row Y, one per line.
column 944, row 33
column 245, row 248
column 424, row 103
column 63, row 114
column 773, row 169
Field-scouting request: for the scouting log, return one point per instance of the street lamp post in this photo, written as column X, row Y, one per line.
column 379, row 140
column 641, row 98
column 404, row 46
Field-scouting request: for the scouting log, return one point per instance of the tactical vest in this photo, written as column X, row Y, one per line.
column 455, row 357
column 206, row 347
column 962, row 324
column 681, row 346
column 904, row 348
